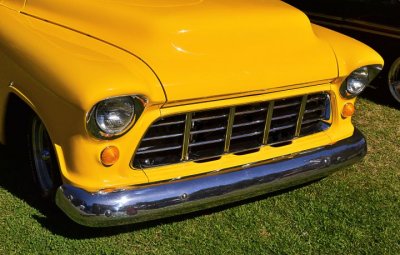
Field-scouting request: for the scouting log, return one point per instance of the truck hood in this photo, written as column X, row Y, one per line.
column 204, row 48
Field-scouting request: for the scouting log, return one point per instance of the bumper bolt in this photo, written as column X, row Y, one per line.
column 45, row 155
column 107, row 213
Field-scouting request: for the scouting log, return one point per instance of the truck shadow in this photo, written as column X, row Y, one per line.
column 16, row 178
column 379, row 93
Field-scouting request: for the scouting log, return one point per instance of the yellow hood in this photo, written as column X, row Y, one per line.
column 204, row 48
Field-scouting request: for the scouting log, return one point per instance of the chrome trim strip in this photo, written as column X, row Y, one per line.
column 247, row 94
column 301, row 115
column 186, row 136
column 229, row 128
column 355, row 21
column 325, row 23
column 150, row 202
column 268, row 121
column 353, row 24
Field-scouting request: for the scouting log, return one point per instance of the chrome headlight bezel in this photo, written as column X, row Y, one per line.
column 364, row 74
column 92, row 122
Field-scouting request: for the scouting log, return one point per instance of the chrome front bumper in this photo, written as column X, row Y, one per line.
column 138, row 204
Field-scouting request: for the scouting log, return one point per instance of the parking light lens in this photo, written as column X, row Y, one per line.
column 348, row 110
column 109, row 156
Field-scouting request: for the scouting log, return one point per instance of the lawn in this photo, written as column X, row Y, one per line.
column 356, row 210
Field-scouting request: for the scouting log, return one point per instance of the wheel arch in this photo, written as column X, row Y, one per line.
column 15, row 106
column 14, row 128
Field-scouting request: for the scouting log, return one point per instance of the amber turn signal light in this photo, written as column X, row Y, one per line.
column 109, row 156
column 348, row 110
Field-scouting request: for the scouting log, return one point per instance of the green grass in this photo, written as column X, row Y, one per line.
column 354, row 211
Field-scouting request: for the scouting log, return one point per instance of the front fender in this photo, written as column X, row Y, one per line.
column 61, row 74
column 350, row 53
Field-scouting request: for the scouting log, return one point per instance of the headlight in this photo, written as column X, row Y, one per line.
column 358, row 80
column 113, row 117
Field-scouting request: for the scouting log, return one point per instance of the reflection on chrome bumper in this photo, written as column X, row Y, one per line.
column 138, row 204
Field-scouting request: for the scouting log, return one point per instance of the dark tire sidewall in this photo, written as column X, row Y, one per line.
column 54, row 174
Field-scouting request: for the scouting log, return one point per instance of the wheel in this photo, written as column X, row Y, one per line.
column 394, row 80
column 43, row 159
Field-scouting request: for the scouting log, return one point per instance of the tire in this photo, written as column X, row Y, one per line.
column 394, row 80
column 43, row 160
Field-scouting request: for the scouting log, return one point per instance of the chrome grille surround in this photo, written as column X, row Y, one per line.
column 207, row 135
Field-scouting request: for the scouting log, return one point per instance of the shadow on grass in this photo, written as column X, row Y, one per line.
column 16, row 178
column 58, row 224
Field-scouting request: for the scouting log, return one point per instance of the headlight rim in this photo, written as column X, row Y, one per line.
column 373, row 71
column 96, row 132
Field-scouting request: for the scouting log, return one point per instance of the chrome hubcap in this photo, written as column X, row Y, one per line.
column 394, row 80
column 42, row 155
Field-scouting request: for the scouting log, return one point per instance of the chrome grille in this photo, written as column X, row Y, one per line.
column 206, row 135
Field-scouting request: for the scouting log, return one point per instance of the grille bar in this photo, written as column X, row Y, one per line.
column 246, row 135
column 268, row 122
column 228, row 135
column 286, row 105
column 301, row 115
column 314, row 110
column 285, row 116
column 211, row 117
column 160, row 137
column 168, row 123
column 314, row 99
column 311, row 120
column 147, row 150
column 250, row 111
column 206, row 135
column 186, row 137
column 249, row 123
column 282, row 128
column 206, row 142
column 206, row 130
